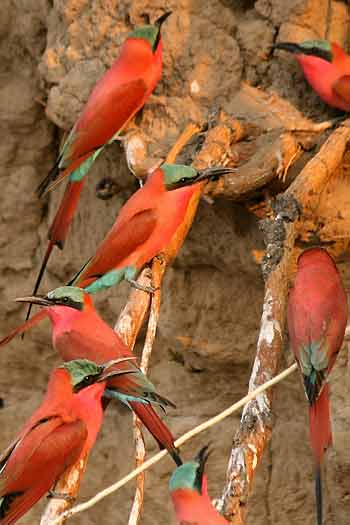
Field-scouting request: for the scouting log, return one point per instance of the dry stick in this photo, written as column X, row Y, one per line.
column 179, row 442
column 134, row 312
column 256, row 424
column 140, row 450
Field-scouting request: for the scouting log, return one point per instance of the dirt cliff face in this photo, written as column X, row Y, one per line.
column 51, row 54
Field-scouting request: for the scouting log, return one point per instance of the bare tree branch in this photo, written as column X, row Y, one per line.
column 140, row 450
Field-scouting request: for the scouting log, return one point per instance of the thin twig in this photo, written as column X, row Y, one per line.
column 179, row 442
column 140, row 450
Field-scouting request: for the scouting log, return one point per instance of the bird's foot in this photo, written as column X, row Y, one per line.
column 138, row 286
column 61, row 495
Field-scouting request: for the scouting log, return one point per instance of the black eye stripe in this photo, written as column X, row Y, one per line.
column 68, row 301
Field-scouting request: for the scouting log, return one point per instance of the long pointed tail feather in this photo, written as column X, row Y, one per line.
column 59, row 228
column 321, row 439
column 157, row 428
column 40, row 276
column 25, row 326
column 79, row 162
column 320, row 424
column 56, row 175
column 50, row 177
column 318, row 495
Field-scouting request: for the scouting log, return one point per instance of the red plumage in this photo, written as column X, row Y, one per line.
column 195, row 509
column 116, row 98
column 320, row 424
column 326, row 67
column 317, row 317
column 144, row 226
column 189, row 493
column 82, row 334
column 330, row 80
column 61, row 431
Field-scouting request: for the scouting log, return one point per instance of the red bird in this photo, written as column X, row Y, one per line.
column 78, row 332
column 188, row 489
column 144, row 226
column 115, row 99
column 326, row 67
column 60, row 432
column 317, row 316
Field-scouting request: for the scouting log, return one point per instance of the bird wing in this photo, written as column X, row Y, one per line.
column 50, row 442
column 312, row 353
column 136, row 386
column 342, row 88
column 41, row 457
column 100, row 120
column 4, row 456
column 119, row 244
column 25, row 326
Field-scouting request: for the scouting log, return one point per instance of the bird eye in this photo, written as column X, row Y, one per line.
column 65, row 299
column 183, row 179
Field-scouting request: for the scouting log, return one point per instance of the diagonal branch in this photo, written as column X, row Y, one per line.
column 128, row 316
column 140, row 450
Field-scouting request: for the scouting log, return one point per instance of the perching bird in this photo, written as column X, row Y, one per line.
column 144, row 226
column 188, row 489
column 60, row 432
column 326, row 67
column 115, row 99
column 79, row 332
column 317, row 316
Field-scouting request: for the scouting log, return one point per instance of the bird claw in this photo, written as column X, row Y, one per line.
column 138, row 286
column 61, row 495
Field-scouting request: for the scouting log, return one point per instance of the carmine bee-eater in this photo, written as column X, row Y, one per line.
column 60, row 432
column 326, row 67
column 188, row 489
column 317, row 316
column 78, row 332
column 115, row 99
column 144, row 226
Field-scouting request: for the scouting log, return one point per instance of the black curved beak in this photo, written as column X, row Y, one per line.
column 160, row 21
column 288, row 46
column 213, row 174
column 41, row 300
column 203, row 455
column 201, row 459
column 105, row 374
